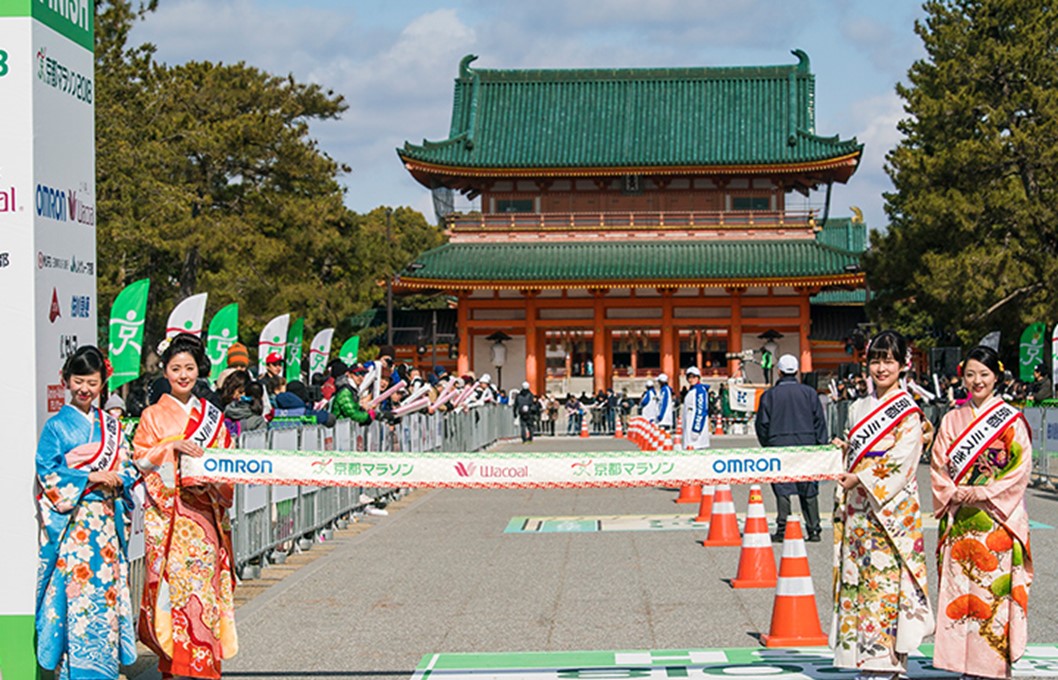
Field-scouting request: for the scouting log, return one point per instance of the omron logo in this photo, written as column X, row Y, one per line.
column 733, row 465
column 464, row 470
column 238, row 465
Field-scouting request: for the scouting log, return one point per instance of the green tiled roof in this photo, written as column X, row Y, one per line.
column 656, row 117
column 616, row 261
column 845, row 233
column 840, row 298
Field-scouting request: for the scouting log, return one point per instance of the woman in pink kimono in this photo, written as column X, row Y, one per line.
column 881, row 612
column 982, row 459
column 187, row 615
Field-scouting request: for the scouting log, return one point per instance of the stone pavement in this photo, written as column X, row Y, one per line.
column 440, row 575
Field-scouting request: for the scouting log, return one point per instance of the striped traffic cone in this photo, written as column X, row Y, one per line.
column 666, row 440
column 719, row 426
column 705, row 508
column 619, row 433
column 756, row 562
column 723, row 526
column 584, row 427
column 679, row 428
column 690, row 493
column 794, row 617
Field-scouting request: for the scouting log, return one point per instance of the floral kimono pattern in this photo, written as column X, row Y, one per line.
column 983, row 556
column 84, row 612
column 881, row 611
column 187, row 616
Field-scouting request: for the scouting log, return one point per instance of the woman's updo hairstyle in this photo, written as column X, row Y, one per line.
column 888, row 345
column 86, row 360
column 192, row 344
column 986, row 356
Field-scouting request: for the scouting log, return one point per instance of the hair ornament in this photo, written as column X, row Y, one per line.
column 1002, row 368
column 108, row 367
column 164, row 345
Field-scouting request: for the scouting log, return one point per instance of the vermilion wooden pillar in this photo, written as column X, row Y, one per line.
column 806, row 325
column 668, row 333
column 533, row 347
column 462, row 316
column 600, row 365
column 734, row 335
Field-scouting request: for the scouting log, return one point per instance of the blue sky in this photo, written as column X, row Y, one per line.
column 395, row 62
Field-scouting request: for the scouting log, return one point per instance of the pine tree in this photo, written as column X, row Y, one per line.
column 973, row 234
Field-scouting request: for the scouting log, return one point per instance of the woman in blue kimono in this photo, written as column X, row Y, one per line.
column 84, row 613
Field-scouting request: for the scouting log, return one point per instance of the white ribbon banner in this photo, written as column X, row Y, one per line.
column 513, row 470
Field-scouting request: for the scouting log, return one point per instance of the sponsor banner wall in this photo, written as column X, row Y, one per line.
column 47, row 256
column 518, row 470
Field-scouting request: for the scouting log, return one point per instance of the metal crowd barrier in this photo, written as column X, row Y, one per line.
column 270, row 522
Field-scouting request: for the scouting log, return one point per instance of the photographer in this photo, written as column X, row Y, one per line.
column 525, row 410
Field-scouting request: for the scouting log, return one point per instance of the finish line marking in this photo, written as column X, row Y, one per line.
column 751, row 663
column 573, row 524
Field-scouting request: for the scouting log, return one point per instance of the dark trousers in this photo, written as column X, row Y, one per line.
column 808, row 492
column 526, row 426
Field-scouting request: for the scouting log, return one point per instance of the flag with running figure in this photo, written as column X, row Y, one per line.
column 320, row 351
column 223, row 333
column 294, row 339
column 350, row 350
column 1054, row 356
column 187, row 316
column 126, row 332
column 1032, row 350
column 273, row 339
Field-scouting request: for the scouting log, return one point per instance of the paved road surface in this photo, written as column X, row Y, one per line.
column 442, row 576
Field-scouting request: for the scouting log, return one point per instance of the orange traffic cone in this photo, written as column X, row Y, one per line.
column 719, row 426
column 666, row 440
column 584, row 427
column 723, row 526
column 679, row 428
column 690, row 493
column 756, row 562
column 705, row 509
column 794, row 617
column 619, row 433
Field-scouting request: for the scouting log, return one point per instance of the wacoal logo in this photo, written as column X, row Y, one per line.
column 465, row 470
column 80, row 211
column 8, row 204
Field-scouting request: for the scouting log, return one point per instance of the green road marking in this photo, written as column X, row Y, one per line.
column 815, row 663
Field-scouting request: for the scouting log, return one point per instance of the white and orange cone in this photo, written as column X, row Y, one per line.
column 584, row 427
column 705, row 507
column 689, row 493
column 618, row 433
column 723, row 526
column 794, row 617
column 666, row 440
column 756, row 562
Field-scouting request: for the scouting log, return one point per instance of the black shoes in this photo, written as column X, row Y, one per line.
column 777, row 537
column 814, row 537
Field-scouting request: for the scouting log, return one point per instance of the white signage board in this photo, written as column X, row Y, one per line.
column 47, row 262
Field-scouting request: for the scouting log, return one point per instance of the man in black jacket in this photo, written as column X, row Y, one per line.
column 790, row 415
column 525, row 411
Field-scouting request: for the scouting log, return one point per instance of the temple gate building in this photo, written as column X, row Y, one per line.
column 637, row 221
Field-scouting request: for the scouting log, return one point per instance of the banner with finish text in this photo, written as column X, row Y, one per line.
column 498, row 470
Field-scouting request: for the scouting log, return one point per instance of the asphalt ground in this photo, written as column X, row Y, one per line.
column 440, row 575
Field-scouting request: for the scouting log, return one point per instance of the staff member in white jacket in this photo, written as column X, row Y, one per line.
column 666, row 405
column 696, row 412
column 648, row 405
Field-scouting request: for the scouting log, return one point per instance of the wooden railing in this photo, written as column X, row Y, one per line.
column 594, row 221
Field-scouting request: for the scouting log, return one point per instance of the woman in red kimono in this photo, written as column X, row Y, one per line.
column 982, row 460
column 188, row 614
